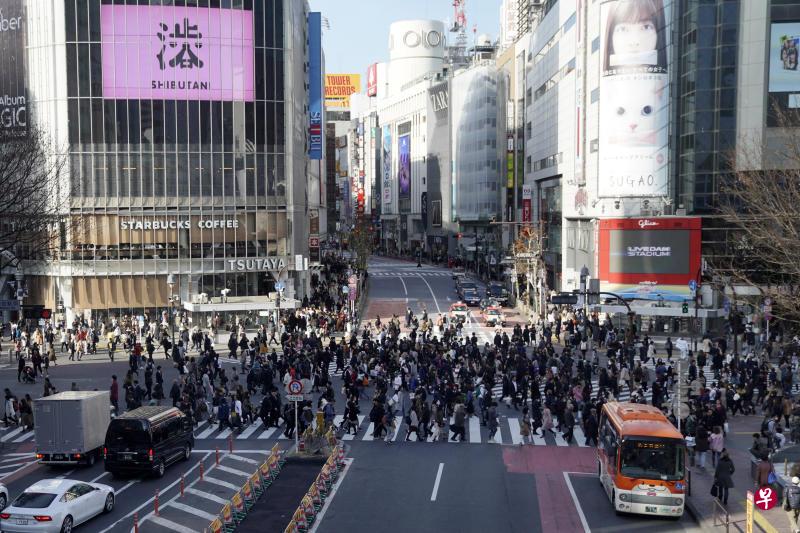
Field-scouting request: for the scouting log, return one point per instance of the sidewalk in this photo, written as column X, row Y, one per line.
column 701, row 505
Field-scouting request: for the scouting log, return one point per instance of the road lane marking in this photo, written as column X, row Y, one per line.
column 164, row 490
column 436, row 483
column 250, row 429
column 206, row 495
column 65, row 474
column 577, row 504
column 405, row 289
column 242, row 459
column 221, row 483
column 578, row 435
column 208, row 431
column 368, row 435
column 398, row 422
column 224, row 434
column 169, row 524
column 126, row 487
column 24, row 436
column 192, row 510
column 268, row 433
column 22, row 467
column 516, row 434
column 474, row 430
column 350, row 436
column 98, row 478
column 234, row 471
column 12, row 434
column 435, row 301
column 537, row 440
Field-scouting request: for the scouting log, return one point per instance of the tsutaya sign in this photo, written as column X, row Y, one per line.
column 203, row 223
column 261, row 264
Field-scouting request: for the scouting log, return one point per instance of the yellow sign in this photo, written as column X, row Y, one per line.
column 749, row 520
column 339, row 87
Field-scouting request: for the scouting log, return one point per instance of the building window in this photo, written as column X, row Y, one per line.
column 594, row 145
column 595, row 44
column 595, row 96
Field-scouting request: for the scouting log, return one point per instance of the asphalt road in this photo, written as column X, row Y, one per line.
column 482, row 486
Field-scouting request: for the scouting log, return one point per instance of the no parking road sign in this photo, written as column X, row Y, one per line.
column 295, row 387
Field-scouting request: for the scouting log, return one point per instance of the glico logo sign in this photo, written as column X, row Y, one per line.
column 645, row 223
column 12, row 24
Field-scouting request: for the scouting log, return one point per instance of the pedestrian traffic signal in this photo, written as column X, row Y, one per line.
column 685, row 308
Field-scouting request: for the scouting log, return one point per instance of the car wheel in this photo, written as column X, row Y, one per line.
column 187, row 452
column 3, row 501
column 66, row 525
column 109, row 506
column 91, row 459
column 160, row 469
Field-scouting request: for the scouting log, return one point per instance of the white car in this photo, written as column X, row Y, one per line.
column 56, row 506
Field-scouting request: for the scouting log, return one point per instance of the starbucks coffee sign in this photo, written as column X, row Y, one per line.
column 202, row 223
column 260, row 264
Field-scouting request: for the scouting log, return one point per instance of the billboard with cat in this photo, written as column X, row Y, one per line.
column 784, row 76
column 634, row 98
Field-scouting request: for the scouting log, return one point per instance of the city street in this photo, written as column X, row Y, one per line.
column 482, row 485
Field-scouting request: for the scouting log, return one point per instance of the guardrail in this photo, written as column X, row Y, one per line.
column 311, row 504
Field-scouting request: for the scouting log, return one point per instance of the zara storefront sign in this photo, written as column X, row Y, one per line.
column 260, row 264
column 203, row 223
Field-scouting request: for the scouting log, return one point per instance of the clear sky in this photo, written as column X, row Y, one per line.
column 359, row 29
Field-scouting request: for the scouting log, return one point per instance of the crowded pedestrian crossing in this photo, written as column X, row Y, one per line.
column 509, row 432
column 411, row 274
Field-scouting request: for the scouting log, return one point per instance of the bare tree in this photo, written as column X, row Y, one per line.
column 33, row 200
column 763, row 208
column 529, row 263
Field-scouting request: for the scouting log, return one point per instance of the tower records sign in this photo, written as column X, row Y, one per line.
column 13, row 93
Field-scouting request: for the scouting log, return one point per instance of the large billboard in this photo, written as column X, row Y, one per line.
column 13, row 93
column 180, row 53
column 315, row 136
column 634, row 99
column 386, row 145
column 339, row 87
column 404, row 166
column 372, row 80
column 784, row 76
column 649, row 258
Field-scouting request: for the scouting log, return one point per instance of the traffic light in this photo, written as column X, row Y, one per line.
column 685, row 308
column 36, row 312
column 458, row 236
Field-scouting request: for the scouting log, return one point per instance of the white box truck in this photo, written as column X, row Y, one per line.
column 70, row 426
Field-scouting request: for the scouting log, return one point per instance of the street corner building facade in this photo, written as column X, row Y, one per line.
column 191, row 150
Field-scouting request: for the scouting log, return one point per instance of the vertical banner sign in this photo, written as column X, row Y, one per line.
column 424, row 209
column 527, row 196
column 580, row 49
column 404, row 166
column 315, row 85
column 13, row 92
column 387, row 168
column 372, row 80
column 634, row 98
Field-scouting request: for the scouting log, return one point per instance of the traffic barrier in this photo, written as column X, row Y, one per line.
column 230, row 443
column 300, row 521
column 316, row 498
column 247, row 496
column 155, row 504
column 201, row 471
column 183, row 485
column 239, row 510
column 257, row 484
column 228, row 522
column 322, row 488
column 135, row 522
column 266, row 473
column 216, row 526
column 340, row 458
column 307, row 505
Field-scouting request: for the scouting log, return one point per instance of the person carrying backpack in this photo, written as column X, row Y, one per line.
column 791, row 502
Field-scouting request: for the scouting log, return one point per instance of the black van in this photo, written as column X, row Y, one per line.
column 147, row 439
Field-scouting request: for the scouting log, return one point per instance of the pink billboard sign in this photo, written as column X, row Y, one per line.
column 180, row 53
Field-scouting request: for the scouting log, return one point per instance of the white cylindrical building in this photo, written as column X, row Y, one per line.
column 416, row 47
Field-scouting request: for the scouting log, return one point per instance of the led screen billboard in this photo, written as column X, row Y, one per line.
column 634, row 98
column 649, row 258
column 404, row 166
column 180, row 53
column 784, row 76
column 13, row 93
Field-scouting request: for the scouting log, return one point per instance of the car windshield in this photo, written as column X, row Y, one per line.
column 459, row 308
column 127, row 432
column 653, row 459
column 493, row 311
column 34, row 500
column 468, row 286
column 495, row 290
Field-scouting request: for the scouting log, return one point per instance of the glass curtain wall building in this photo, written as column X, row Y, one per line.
column 185, row 124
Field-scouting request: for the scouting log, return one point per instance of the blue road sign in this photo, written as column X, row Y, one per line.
column 279, row 285
column 693, row 285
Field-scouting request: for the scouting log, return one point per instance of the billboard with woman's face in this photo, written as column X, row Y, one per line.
column 634, row 99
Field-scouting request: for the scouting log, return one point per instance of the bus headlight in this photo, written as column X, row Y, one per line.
column 624, row 497
column 678, row 501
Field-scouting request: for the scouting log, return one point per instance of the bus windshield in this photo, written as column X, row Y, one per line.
column 652, row 459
